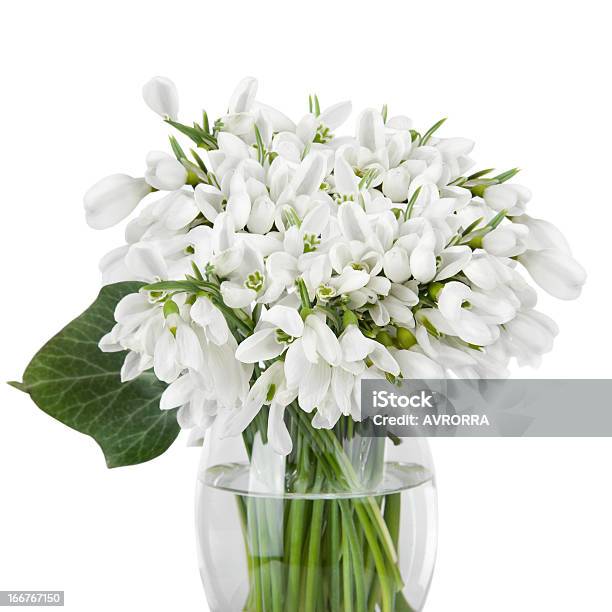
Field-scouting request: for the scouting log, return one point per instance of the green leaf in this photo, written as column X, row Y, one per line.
column 73, row 381
column 431, row 131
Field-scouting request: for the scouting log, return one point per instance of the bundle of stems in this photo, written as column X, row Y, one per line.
column 328, row 543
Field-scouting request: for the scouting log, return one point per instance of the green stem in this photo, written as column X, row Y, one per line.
column 255, row 554
column 334, row 561
column 356, row 554
column 314, row 545
column 296, row 537
column 347, row 574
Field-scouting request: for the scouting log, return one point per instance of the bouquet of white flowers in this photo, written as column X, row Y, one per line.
column 272, row 267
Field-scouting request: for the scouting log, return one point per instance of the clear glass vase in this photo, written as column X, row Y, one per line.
column 345, row 523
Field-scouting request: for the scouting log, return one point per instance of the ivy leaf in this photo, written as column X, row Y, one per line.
column 73, row 381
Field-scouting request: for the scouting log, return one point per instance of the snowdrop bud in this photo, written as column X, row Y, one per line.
column 244, row 95
column 396, row 184
column 423, row 263
column 161, row 96
column 170, row 308
column 385, row 338
column 556, row 272
column 334, row 116
column 417, row 365
column 534, row 331
column 371, row 130
column 396, row 265
column 164, row 172
column 112, row 199
column 505, row 240
column 507, row 197
column 405, row 338
column 543, row 235
column 261, row 218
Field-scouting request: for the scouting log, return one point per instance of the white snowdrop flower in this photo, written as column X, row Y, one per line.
column 112, row 266
column 396, row 184
column 371, row 130
column 193, row 395
column 178, row 347
column 261, row 216
column 556, row 272
column 244, row 95
column 456, row 300
column 452, row 260
column 112, row 199
column 449, row 356
column 260, row 393
column 145, row 262
column 279, row 327
column 416, row 365
column 161, row 96
column 542, row 234
column 164, row 171
column 211, row 319
column 356, row 347
column 530, row 334
column 507, row 240
column 509, row 197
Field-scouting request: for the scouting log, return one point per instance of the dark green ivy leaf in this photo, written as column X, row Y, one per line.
column 73, row 381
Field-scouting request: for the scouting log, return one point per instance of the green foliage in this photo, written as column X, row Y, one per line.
column 73, row 381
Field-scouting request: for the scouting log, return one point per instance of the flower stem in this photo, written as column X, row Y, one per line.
column 314, row 544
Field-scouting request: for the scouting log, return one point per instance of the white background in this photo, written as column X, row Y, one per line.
column 524, row 524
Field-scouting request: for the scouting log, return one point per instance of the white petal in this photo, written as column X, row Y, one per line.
column 327, row 343
column 261, row 217
column 346, row 181
column 164, row 360
column 354, row 222
column 244, row 95
column 296, row 364
column 309, row 175
column 371, row 130
column 112, row 199
column 261, row 346
column 232, row 145
column 208, row 316
column 453, row 260
column 423, row 263
column 161, row 96
column 182, row 212
column 314, row 386
column 396, row 265
column 112, row 266
column 188, row 346
column 451, row 298
column 285, row 318
column 132, row 367
column 556, row 272
column 383, row 360
column 278, row 435
column 342, row 387
column 355, row 346
column 350, row 280
column 416, row 365
column 237, row 296
column 208, row 199
column 177, row 393
column 334, row 116
column 145, row 262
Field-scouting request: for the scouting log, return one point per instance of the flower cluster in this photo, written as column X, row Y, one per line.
column 285, row 263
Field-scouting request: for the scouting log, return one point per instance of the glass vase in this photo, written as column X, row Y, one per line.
column 345, row 523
